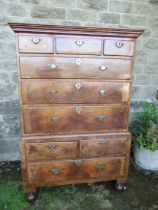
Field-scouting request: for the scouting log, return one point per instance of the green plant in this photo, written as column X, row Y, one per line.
column 144, row 127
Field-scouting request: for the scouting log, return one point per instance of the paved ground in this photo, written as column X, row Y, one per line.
column 142, row 193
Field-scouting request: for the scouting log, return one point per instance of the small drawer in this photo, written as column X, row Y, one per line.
column 103, row 147
column 78, row 45
column 102, row 168
column 51, row 91
column 45, row 173
column 118, row 47
column 72, row 119
column 52, row 172
column 35, row 43
column 51, row 150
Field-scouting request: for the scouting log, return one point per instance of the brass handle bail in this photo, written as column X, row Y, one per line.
column 102, row 92
column 55, row 170
column 103, row 68
column 55, row 119
column 119, row 44
column 53, row 91
column 53, row 66
column 52, row 146
column 100, row 117
column 100, row 168
column 103, row 142
column 79, row 42
column 35, row 40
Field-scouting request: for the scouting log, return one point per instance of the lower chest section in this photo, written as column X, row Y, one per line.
column 69, row 159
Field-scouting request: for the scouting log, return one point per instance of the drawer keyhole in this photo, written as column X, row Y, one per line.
column 78, row 110
column 78, row 85
column 78, row 61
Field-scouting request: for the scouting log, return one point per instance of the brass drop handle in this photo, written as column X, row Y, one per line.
column 102, row 92
column 79, row 42
column 78, row 162
column 53, row 66
column 52, row 146
column 78, row 85
column 54, row 119
column 100, row 117
column 53, row 91
column 78, row 110
column 55, row 170
column 100, row 168
column 119, row 44
column 103, row 68
column 35, row 40
column 103, row 142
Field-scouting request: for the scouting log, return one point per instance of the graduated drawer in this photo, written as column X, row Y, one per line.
column 75, row 67
column 49, row 91
column 71, row 119
column 70, row 170
column 118, row 47
column 51, row 150
column 78, row 45
column 35, row 43
column 115, row 147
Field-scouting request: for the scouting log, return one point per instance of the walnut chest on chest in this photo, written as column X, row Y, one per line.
column 75, row 86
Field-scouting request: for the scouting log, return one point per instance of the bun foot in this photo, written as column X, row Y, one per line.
column 30, row 197
column 120, row 187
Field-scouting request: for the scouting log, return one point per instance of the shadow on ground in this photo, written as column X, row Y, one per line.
column 142, row 193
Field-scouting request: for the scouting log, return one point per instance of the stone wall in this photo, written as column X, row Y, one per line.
column 100, row 13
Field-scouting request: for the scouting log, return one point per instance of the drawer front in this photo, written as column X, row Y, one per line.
column 71, row 119
column 103, row 147
column 35, row 43
column 46, row 91
column 62, row 171
column 77, row 67
column 102, row 168
column 118, row 47
column 78, row 45
column 51, row 172
column 51, row 150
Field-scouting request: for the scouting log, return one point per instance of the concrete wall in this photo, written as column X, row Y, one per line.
column 99, row 13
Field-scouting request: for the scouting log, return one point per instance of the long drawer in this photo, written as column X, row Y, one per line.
column 48, row 91
column 51, row 172
column 71, row 119
column 75, row 67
